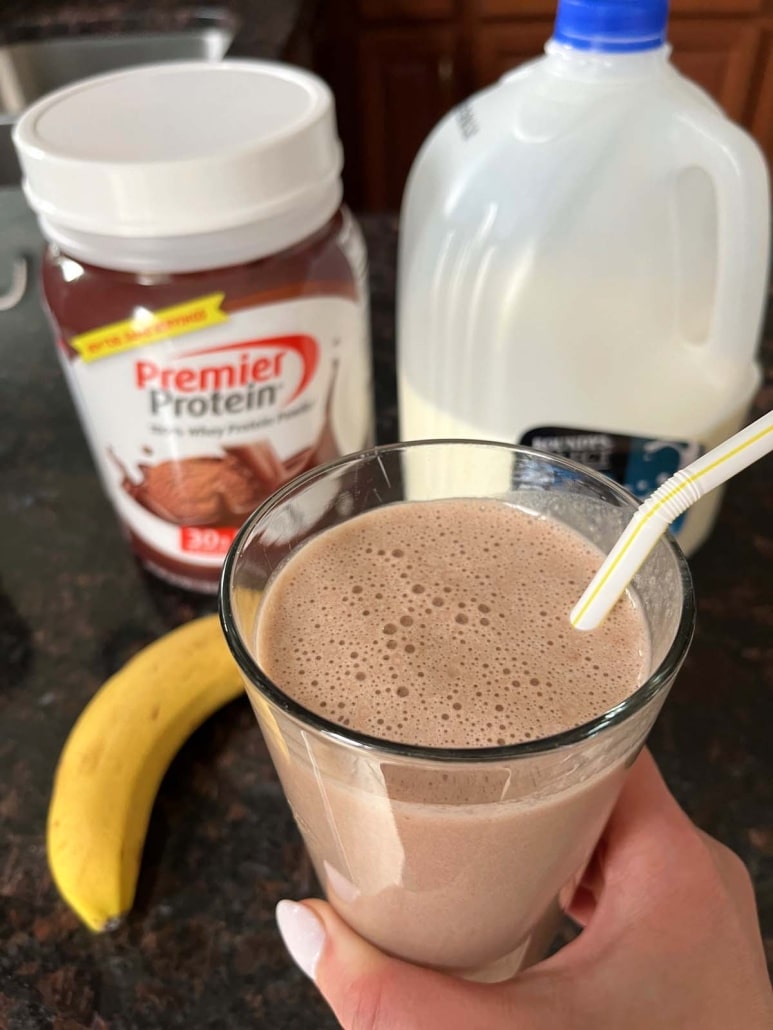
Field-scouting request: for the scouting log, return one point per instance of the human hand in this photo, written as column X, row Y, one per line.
column 671, row 941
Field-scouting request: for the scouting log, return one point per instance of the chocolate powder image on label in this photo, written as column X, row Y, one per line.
column 185, row 454
column 223, row 491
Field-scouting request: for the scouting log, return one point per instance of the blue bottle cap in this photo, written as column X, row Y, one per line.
column 611, row 26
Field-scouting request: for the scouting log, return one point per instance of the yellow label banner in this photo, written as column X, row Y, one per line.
column 149, row 327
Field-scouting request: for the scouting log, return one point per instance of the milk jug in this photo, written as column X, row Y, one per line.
column 583, row 260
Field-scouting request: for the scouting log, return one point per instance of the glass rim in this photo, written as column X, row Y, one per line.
column 257, row 679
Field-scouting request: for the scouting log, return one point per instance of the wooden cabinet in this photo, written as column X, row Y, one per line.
column 397, row 66
column 761, row 111
column 498, row 48
column 407, row 80
column 406, row 10
column 718, row 55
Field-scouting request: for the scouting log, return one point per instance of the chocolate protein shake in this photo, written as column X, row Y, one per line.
column 445, row 624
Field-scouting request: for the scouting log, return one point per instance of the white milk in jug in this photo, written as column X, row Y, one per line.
column 583, row 260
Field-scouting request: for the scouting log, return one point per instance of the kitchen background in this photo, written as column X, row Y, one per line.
column 396, row 66
column 201, row 948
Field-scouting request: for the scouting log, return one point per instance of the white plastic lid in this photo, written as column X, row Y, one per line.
column 181, row 149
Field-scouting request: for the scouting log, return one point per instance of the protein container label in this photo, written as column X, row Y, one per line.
column 195, row 416
column 641, row 464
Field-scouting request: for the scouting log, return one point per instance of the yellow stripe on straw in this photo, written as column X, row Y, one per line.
column 691, row 476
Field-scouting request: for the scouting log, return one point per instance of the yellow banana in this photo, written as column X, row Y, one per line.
column 115, row 758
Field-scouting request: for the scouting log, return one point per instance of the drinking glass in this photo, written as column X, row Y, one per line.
column 455, row 858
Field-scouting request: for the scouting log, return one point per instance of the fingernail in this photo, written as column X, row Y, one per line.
column 303, row 934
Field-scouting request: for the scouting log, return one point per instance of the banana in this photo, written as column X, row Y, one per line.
column 115, row 758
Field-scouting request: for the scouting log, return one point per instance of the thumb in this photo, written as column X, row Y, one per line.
column 368, row 990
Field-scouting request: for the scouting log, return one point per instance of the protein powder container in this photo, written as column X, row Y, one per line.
column 207, row 290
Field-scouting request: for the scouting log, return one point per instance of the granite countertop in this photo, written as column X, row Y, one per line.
column 200, row 948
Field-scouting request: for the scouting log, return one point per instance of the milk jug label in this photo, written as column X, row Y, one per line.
column 640, row 464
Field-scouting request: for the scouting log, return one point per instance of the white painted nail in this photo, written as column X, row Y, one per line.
column 303, row 934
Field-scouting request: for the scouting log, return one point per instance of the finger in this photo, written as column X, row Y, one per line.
column 651, row 859
column 582, row 905
column 735, row 877
column 645, row 803
column 368, row 990
column 645, row 828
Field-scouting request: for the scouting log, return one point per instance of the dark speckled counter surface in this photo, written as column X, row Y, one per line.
column 200, row 948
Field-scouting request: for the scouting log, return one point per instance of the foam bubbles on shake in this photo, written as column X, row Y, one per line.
column 446, row 623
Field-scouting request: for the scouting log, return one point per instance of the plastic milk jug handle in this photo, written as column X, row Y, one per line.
column 741, row 189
